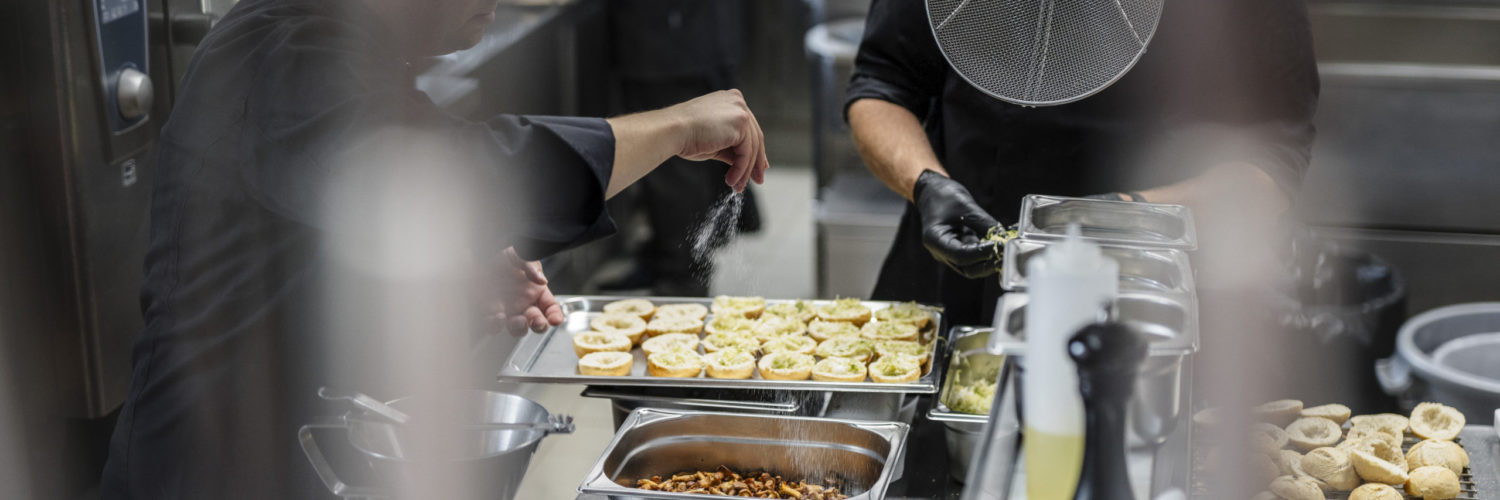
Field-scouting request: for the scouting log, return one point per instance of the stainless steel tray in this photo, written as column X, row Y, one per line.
column 867, row 456
column 549, row 357
column 1120, row 222
column 1162, row 270
column 1170, row 320
column 969, row 361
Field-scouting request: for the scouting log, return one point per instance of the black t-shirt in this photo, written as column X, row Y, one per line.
column 298, row 157
column 1222, row 81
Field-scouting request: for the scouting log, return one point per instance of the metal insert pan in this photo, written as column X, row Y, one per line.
column 1119, row 222
column 1163, row 270
column 866, row 456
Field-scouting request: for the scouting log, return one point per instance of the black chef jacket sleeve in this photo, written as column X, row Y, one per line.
column 1263, row 85
column 1288, row 72
column 330, row 116
column 898, row 60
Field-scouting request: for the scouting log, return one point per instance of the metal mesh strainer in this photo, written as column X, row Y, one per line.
column 1042, row 52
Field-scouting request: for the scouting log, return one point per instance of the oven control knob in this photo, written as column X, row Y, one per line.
column 133, row 94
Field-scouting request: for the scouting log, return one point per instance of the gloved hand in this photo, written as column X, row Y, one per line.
column 954, row 226
column 1118, row 196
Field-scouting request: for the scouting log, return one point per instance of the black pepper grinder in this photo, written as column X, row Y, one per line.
column 1109, row 356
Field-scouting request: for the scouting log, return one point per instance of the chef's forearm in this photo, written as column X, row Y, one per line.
column 892, row 143
column 1220, row 183
column 642, row 141
column 715, row 126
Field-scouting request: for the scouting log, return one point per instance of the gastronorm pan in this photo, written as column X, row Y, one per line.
column 1119, row 222
column 1147, row 269
column 864, row 456
column 549, row 357
column 969, row 363
column 1169, row 320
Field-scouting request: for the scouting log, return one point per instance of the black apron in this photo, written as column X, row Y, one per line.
column 1239, row 66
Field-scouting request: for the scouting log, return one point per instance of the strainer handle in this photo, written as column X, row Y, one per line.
column 1394, row 375
column 320, row 464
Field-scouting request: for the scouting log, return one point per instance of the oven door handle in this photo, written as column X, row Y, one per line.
column 189, row 28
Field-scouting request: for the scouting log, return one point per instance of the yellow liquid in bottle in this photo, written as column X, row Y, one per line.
column 1053, row 462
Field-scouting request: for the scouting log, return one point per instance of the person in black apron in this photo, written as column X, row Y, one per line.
column 299, row 156
column 1224, row 96
column 666, row 51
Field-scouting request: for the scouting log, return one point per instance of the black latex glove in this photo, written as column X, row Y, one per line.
column 1118, row 196
column 954, row 227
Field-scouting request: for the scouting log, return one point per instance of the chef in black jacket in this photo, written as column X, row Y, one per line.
column 1219, row 106
column 297, row 125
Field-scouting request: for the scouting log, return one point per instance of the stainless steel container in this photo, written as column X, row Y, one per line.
column 1171, row 322
column 1155, row 410
column 1116, row 222
column 412, row 461
column 865, row 456
column 1160, row 270
column 971, row 363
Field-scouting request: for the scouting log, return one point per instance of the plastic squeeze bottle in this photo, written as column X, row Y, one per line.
column 1071, row 285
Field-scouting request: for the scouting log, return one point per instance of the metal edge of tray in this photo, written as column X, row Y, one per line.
column 1484, row 458
column 940, row 412
column 712, row 404
column 597, row 482
column 518, row 368
column 1027, row 228
column 1012, row 279
column 1186, row 342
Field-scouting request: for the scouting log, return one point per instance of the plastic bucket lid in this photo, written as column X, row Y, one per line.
column 1474, row 354
column 1425, row 337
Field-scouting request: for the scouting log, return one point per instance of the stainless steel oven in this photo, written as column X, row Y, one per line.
column 85, row 88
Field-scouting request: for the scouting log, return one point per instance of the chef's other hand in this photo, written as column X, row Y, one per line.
column 1135, row 196
column 528, row 303
column 954, row 227
column 721, row 127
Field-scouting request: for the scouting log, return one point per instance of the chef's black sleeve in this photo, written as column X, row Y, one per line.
column 342, row 139
column 1266, row 87
column 898, row 59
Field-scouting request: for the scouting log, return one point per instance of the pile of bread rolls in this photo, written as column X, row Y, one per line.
column 1310, row 453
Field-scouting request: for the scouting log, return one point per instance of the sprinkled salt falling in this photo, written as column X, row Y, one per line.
column 717, row 228
column 721, row 224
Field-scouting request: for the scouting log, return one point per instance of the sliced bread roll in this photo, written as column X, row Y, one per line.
column 676, row 364
column 588, row 342
column 839, row 370
column 638, row 307
column 847, row 310
column 786, row 366
column 606, row 363
column 730, row 364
